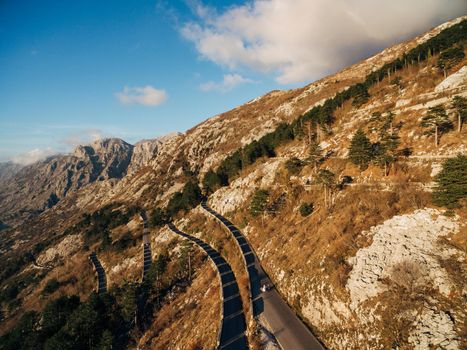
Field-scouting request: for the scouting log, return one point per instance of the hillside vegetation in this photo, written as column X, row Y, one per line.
column 351, row 190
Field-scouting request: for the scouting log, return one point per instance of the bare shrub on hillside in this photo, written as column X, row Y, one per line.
column 337, row 265
column 392, row 200
column 410, row 276
column 406, row 299
column 413, row 197
column 455, row 271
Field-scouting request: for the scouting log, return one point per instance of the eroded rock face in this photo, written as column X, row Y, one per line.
column 66, row 248
column 453, row 81
column 145, row 150
column 405, row 238
column 109, row 158
column 230, row 198
column 434, row 330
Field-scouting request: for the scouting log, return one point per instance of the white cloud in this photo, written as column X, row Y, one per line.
column 228, row 83
column 82, row 137
column 33, row 156
column 146, row 95
column 302, row 39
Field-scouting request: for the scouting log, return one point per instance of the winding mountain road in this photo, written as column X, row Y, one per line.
column 232, row 332
column 101, row 278
column 147, row 260
column 290, row 332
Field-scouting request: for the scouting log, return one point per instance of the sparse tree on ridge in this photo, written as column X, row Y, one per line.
column 327, row 179
column 314, row 155
column 386, row 152
column 437, row 122
column 459, row 103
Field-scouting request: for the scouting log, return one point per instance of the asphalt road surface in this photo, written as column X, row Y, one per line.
column 290, row 332
column 232, row 333
column 147, row 261
column 250, row 263
column 101, row 279
column 147, row 258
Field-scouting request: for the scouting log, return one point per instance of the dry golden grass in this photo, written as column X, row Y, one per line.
column 334, row 233
column 79, row 281
column 191, row 320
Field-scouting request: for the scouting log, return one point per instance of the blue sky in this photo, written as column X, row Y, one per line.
column 71, row 71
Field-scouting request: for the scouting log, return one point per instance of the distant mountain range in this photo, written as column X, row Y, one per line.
column 41, row 185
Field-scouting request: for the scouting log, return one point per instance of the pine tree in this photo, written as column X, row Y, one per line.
column 314, row 155
column 23, row 335
column 211, row 181
column 191, row 195
column 306, row 209
column 386, row 124
column 294, row 165
column 459, row 103
column 360, row 152
column 451, row 182
column 189, row 198
column 437, row 122
column 128, row 301
column 259, row 202
column 156, row 272
column 158, row 217
column 160, row 265
column 324, row 119
column 361, row 95
column 85, row 323
column 106, row 240
column 106, row 341
column 385, row 153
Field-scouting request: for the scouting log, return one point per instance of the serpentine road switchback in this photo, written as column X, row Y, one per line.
column 289, row 330
column 101, row 279
column 147, row 261
column 232, row 332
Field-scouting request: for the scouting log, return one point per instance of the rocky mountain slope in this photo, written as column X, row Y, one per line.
column 376, row 266
column 29, row 190
column 202, row 147
column 8, row 169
